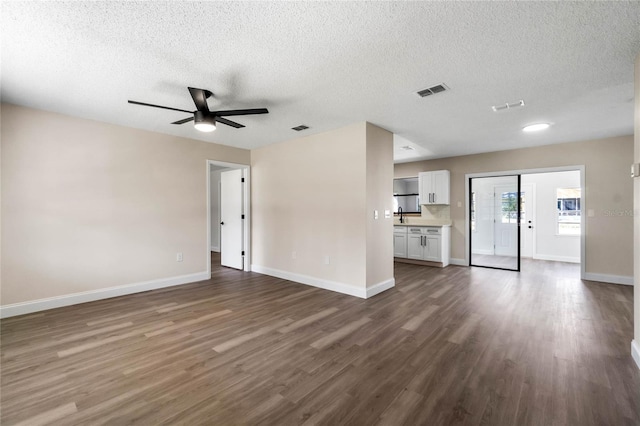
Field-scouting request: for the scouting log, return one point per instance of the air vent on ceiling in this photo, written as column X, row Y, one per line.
column 433, row 90
column 406, row 148
column 507, row 106
column 300, row 128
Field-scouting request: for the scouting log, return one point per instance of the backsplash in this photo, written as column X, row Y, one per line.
column 437, row 212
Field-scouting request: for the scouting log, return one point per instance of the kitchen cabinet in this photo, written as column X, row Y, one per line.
column 433, row 187
column 425, row 243
column 400, row 241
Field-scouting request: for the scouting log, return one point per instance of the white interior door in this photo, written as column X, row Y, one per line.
column 527, row 228
column 231, row 219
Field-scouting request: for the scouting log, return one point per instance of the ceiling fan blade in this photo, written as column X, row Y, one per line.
column 240, row 112
column 229, row 122
column 200, row 98
column 186, row 120
column 159, row 106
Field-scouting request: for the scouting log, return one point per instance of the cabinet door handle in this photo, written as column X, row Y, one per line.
column 434, row 197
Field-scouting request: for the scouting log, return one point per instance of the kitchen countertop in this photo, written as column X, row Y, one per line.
column 416, row 221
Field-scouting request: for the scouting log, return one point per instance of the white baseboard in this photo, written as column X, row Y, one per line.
column 483, row 251
column 103, row 293
column 459, row 262
column 216, row 249
column 553, row 258
column 312, row 281
column 635, row 352
column 613, row 279
column 380, row 287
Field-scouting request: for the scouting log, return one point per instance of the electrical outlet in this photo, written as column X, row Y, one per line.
column 178, row 257
column 327, row 260
column 387, row 214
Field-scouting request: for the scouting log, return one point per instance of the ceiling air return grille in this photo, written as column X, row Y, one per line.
column 300, row 128
column 433, row 90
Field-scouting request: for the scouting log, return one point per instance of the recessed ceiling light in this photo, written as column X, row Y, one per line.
column 535, row 127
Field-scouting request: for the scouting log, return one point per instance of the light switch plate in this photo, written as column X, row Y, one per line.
column 387, row 214
column 635, row 170
column 375, row 214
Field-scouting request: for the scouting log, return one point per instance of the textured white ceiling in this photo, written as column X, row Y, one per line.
column 331, row 64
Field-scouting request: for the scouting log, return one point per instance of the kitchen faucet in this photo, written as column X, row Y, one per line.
column 400, row 211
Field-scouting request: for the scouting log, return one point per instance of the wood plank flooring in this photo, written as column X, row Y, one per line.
column 468, row 346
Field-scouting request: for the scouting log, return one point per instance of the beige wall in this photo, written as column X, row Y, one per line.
column 88, row 205
column 311, row 196
column 379, row 197
column 608, row 193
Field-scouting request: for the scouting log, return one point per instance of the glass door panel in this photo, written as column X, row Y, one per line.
column 495, row 211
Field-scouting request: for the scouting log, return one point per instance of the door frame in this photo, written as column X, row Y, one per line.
column 530, row 213
column 583, row 203
column 246, row 173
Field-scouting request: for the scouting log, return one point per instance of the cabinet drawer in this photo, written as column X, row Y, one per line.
column 414, row 230
column 431, row 230
column 399, row 229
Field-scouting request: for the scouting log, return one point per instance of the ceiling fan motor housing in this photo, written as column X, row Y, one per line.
column 204, row 121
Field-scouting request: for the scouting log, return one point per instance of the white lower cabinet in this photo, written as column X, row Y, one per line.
column 422, row 243
column 432, row 248
column 415, row 249
column 400, row 244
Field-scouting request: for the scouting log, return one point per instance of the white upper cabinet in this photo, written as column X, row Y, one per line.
column 434, row 187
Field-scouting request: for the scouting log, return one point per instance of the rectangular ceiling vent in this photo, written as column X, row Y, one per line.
column 300, row 128
column 506, row 106
column 433, row 90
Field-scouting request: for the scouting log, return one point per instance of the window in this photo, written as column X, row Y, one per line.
column 510, row 207
column 568, row 205
column 473, row 211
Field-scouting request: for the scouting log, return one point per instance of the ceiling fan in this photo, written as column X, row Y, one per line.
column 205, row 120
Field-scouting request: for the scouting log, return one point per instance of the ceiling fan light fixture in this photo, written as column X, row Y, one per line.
column 204, row 123
column 535, row 127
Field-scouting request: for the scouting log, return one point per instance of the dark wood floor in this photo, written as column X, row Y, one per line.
column 446, row 346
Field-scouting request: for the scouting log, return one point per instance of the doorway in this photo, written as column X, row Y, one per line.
column 536, row 214
column 494, row 228
column 228, row 215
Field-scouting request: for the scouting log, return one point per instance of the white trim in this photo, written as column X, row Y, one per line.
column 612, row 279
column 583, row 203
column 635, row 352
column 103, row 293
column 380, row 287
column 216, row 249
column 458, row 262
column 556, row 258
column 312, row 281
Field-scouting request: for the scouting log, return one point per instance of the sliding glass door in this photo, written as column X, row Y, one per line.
column 495, row 211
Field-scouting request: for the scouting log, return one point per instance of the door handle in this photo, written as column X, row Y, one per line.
column 530, row 227
column 221, row 223
column 434, row 197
